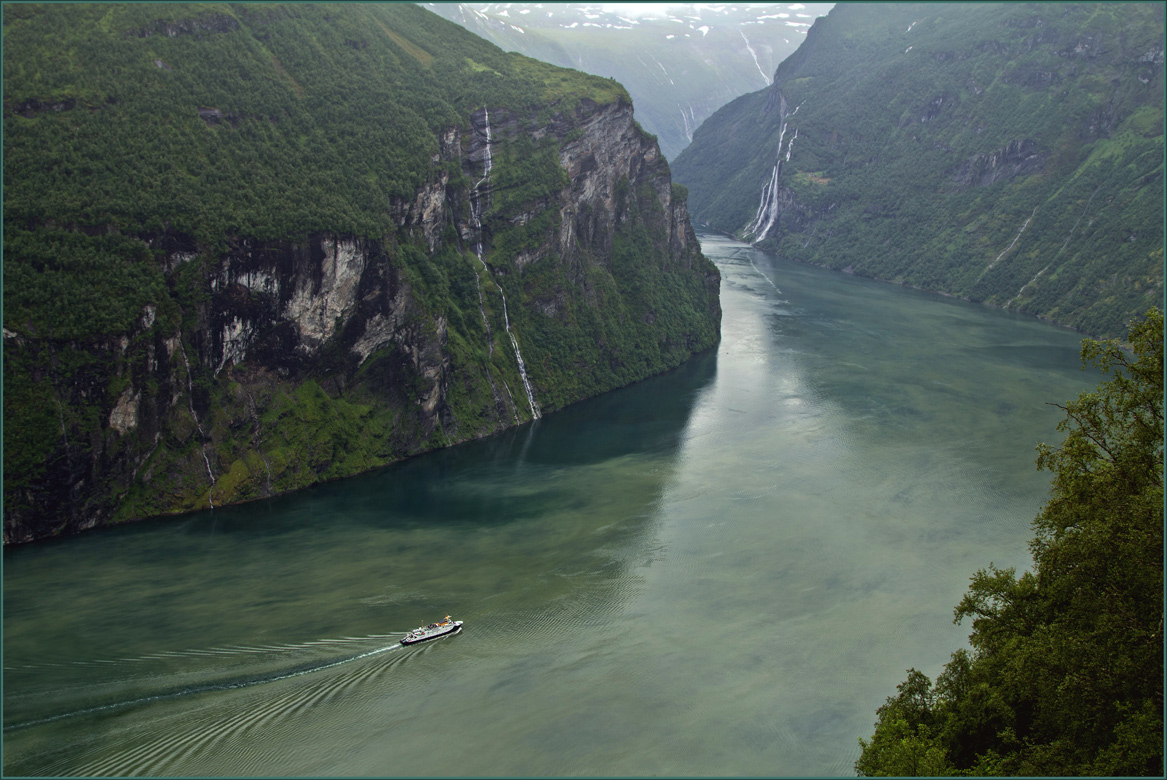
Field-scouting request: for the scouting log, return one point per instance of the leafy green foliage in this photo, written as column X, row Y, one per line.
column 1006, row 153
column 1065, row 676
column 68, row 285
column 526, row 174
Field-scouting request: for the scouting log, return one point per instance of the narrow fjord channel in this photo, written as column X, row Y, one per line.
column 719, row 571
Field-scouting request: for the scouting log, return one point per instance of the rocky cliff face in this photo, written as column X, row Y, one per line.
column 298, row 361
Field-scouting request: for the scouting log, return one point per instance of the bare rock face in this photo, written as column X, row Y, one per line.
column 1017, row 158
column 325, row 293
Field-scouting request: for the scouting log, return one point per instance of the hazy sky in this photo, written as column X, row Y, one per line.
column 634, row 10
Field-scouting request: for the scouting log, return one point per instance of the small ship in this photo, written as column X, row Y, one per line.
column 442, row 628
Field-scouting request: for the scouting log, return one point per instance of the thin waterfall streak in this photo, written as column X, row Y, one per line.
column 752, row 228
column 757, row 64
column 1006, row 249
column 476, row 218
column 1062, row 249
column 202, row 436
column 767, row 214
column 482, row 309
column 476, row 214
column 519, row 359
column 511, row 398
column 1031, row 281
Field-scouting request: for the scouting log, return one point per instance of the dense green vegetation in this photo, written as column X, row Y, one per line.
column 160, row 156
column 1007, row 153
column 268, row 121
column 1065, row 672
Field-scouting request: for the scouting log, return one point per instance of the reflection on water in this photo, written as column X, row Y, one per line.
column 720, row 571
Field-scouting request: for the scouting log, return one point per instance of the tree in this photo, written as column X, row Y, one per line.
column 1065, row 676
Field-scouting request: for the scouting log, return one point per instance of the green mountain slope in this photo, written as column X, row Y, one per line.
column 249, row 247
column 1006, row 153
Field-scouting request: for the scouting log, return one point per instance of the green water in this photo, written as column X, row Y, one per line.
column 719, row 571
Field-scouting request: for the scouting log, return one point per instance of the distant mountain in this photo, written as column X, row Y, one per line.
column 1007, row 153
column 679, row 62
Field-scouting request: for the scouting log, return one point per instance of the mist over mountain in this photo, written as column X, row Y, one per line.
column 679, row 61
column 1006, row 153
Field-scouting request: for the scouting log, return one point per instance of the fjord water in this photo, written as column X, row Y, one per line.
column 719, row 571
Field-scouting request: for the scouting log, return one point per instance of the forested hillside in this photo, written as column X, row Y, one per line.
column 1007, row 153
column 249, row 247
column 1065, row 672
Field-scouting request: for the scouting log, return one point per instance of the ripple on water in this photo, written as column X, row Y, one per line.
column 191, row 738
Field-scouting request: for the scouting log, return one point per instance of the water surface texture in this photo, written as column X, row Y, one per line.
column 719, row 571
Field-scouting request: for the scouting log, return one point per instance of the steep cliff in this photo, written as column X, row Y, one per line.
column 249, row 248
column 1007, row 153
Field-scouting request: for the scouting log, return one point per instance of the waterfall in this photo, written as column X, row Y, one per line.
column 768, row 207
column 1055, row 257
column 202, row 436
column 519, row 359
column 757, row 64
column 475, row 212
column 767, row 214
column 511, row 398
column 476, row 217
column 989, row 267
column 688, row 129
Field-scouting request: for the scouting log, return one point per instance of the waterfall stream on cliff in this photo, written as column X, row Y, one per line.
column 1012, row 243
column 768, row 207
column 198, row 425
column 754, row 54
column 476, row 216
column 476, row 221
column 720, row 571
column 1059, row 253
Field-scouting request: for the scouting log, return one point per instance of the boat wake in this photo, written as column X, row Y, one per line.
column 169, row 741
column 232, row 650
column 166, row 749
column 316, row 665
